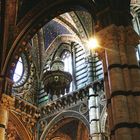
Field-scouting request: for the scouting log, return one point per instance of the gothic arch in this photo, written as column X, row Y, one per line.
column 64, row 115
column 103, row 119
column 62, row 39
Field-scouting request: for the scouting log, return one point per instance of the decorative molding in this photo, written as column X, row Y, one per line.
column 20, row 126
column 7, row 102
column 64, row 115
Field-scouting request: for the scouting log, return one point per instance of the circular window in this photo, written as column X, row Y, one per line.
column 21, row 71
column 18, row 71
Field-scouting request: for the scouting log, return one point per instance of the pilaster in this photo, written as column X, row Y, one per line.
column 93, row 105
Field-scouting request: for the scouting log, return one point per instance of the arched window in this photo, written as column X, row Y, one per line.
column 18, row 70
column 138, row 53
column 136, row 25
column 21, row 71
column 67, row 59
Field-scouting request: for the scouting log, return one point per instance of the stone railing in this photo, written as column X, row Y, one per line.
column 27, row 113
column 69, row 100
column 26, row 108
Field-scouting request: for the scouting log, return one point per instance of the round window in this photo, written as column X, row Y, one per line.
column 18, row 71
column 21, row 71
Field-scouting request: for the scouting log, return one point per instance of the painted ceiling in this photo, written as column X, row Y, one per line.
column 52, row 30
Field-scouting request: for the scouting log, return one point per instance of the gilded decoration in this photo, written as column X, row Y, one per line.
column 7, row 101
column 37, row 28
column 12, row 132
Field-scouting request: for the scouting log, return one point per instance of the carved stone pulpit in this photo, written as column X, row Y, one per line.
column 56, row 80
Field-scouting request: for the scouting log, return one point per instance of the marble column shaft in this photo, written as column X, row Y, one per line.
column 134, row 73
column 113, row 41
column 94, row 115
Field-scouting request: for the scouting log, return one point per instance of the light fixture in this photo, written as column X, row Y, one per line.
column 93, row 43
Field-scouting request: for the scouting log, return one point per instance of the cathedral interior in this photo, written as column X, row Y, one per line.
column 53, row 86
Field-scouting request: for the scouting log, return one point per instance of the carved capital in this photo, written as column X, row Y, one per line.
column 7, row 102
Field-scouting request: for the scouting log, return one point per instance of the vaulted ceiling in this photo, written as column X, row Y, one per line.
column 21, row 19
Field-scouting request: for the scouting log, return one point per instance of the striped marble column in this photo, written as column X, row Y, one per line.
column 90, row 69
column 94, row 115
column 93, row 103
column 107, row 93
column 134, row 75
column 113, row 41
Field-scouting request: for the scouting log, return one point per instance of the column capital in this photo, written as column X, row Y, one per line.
column 7, row 102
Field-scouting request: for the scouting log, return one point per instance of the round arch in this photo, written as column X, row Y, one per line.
column 19, row 126
column 28, row 27
column 64, row 115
